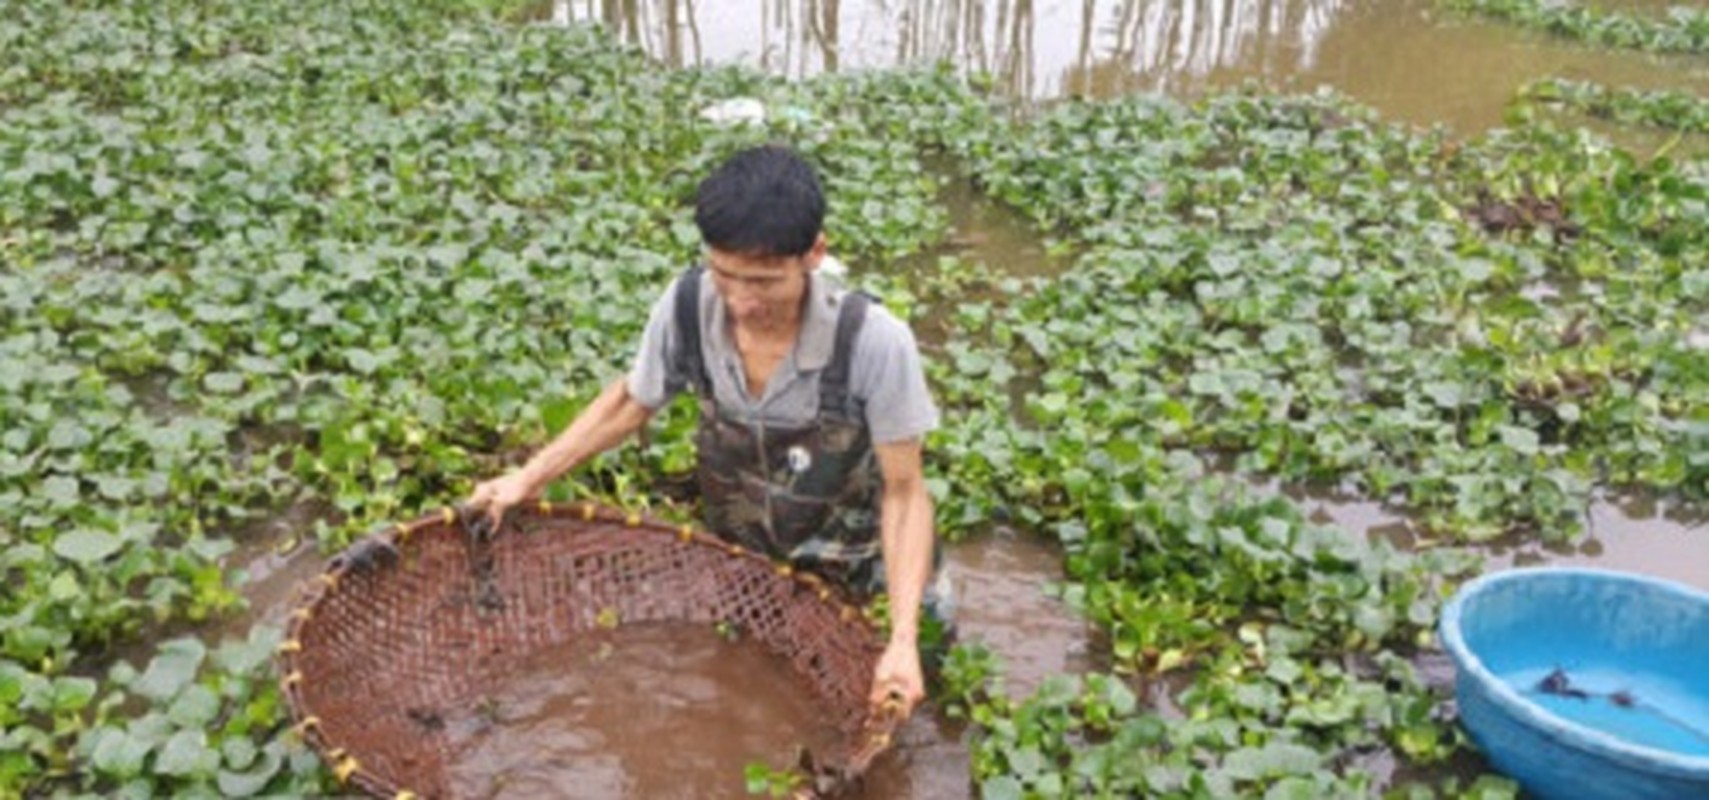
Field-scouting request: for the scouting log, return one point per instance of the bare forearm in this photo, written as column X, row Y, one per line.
column 907, row 531
column 605, row 423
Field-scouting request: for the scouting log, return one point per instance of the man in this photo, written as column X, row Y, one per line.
column 813, row 403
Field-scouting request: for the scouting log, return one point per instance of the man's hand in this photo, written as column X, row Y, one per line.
column 899, row 674
column 501, row 494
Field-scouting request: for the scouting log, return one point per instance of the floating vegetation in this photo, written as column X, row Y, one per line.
column 255, row 255
column 1290, row 285
column 1325, row 298
column 379, row 245
column 1678, row 111
column 1682, row 30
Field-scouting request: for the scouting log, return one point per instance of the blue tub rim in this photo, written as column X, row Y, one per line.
column 1568, row 733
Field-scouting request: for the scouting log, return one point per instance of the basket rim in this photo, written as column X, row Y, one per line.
column 309, row 595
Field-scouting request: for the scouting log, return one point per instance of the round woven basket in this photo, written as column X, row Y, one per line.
column 426, row 614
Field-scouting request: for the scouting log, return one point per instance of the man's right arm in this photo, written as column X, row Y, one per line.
column 621, row 409
column 604, row 424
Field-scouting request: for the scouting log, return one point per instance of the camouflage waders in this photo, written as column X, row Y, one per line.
column 806, row 494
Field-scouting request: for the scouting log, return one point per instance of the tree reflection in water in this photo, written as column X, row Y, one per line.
column 1031, row 48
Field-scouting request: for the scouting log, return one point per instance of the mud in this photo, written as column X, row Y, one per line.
column 643, row 711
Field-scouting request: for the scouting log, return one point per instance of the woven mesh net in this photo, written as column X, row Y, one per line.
column 426, row 615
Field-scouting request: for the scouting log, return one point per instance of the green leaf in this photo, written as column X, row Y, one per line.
column 30, row 643
column 61, row 491
column 1207, row 383
column 1522, row 440
column 1283, row 670
column 222, row 382
column 757, row 778
column 361, row 360
column 1293, row 788
column 65, row 587
column 210, row 549
column 1000, row 787
column 72, row 694
column 1373, row 620
column 120, row 754
column 245, row 657
column 195, row 707
column 1122, row 699
column 153, row 729
column 86, row 546
column 238, row 752
column 1444, row 395
column 67, row 435
column 1274, row 759
column 1026, row 762
column 187, row 754
column 253, row 781
column 171, row 670
column 22, row 555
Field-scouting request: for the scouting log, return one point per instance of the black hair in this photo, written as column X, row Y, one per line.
column 764, row 201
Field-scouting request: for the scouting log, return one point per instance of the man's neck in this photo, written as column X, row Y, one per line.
column 781, row 335
column 784, row 333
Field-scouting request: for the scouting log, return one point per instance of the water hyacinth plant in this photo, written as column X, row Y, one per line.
column 1677, row 111
column 1681, row 30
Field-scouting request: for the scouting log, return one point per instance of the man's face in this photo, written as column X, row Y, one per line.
column 762, row 293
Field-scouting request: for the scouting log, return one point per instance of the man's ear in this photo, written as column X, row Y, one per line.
column 815, row 254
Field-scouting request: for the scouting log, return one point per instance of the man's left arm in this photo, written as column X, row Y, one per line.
column 907, row 539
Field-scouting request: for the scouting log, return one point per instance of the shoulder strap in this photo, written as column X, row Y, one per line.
column 834, row 395
column 690, row 362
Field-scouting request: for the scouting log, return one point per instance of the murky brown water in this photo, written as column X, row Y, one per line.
column 1625, row 534
column 274, row 557
column 1405, row 58
column 987, row 232
column 1001, row 583
column 1000, row 580
column 642, row 711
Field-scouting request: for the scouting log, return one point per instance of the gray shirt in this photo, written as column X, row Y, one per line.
column 886, row 372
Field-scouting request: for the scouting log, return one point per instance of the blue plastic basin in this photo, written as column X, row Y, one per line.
column 1627, row 713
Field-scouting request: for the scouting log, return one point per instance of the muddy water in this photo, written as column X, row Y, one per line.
column 659, row 709
column 984, row 231
column 644, row 711
column 1625, row 534
column 1406, row 58
column 272, row 559
column 1002, row 581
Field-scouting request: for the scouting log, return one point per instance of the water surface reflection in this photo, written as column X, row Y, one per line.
column 1404, row 57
